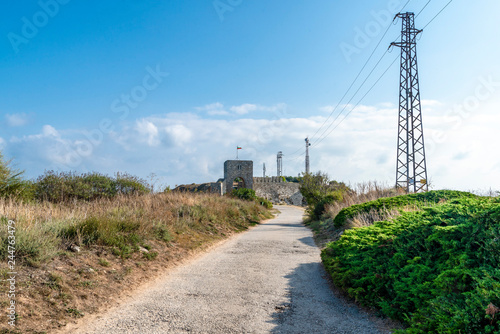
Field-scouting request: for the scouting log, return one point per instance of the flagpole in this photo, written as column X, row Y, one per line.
column 237, row 153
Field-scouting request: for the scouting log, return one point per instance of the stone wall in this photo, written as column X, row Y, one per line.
column 279, row 192
column 268, row 179
column 238, row 169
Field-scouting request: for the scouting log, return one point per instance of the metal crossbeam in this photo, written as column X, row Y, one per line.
column 411, row 171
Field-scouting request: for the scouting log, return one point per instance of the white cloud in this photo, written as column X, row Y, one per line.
column 214, row 109
column 15, row 120
column 327, row 109
column 218, row 109
column 49, row 131
column 179, row 134
column 186, row 148
column 244, row 108
column 148, row 132
column 430, row 103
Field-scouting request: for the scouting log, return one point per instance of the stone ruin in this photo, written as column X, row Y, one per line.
column 239, row 174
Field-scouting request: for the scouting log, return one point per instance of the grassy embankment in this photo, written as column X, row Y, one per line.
column 123, row 241
column 429, row 260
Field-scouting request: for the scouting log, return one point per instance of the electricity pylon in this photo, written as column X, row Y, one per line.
column 411, row 169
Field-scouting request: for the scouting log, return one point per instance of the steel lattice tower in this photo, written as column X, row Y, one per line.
column 280, row 163
column 411, row 170
column 307, row 155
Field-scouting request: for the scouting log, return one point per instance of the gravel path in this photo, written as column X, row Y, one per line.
column 267, row 280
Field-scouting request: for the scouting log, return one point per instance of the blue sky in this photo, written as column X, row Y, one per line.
column 172, row 87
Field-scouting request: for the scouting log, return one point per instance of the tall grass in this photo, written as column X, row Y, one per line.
column 361, row 193
column 43, row 229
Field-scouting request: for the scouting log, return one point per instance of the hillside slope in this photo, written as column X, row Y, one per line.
column 436, row 268
column 77, row 257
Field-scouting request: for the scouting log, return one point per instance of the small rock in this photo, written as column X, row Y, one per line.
column 74, row 248
column 144, row 250
column 90, row 270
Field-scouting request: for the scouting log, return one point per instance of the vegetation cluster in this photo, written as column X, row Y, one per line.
column 249, row 195
column 435, row 267
column 80, row 236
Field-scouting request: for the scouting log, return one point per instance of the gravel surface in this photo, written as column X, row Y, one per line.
column 266, row 280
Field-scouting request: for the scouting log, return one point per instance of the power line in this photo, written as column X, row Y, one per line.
column 353, row 82
column 322, row 138
column 428, row 2
column 355, row 93
column 360, row 100
column 437, row 14
column 357, row 76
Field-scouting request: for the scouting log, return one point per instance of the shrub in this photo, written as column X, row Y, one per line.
column 66, row 186
column 320, row 207
column 431, row 197
column 319, row 191
column 244, row 193
column 265, row 202
column 11, row 183
column 436, row 269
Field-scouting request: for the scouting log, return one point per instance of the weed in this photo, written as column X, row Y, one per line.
column 54, row 281
column 150, row 256
column 74, row 313
column 104, row 263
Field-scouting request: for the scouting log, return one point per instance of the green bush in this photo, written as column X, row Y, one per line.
column 64, row 186
column 265, row 202
column 320, row 207
column 436, row 269
column 420, row 199
column 249, row 195
column 244, row 193
column 11, row 182
column 319, row 191
column 119, row 234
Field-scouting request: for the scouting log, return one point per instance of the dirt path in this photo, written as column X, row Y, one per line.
column 267, row 280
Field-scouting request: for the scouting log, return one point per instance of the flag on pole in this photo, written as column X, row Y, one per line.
column 238, row 148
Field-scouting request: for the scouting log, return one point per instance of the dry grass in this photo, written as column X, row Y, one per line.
column 325, row 231
column 364, row 219
column 362, row 193
column 56, row 285
column 45, row 228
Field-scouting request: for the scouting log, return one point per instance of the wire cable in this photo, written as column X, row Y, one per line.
column 321, row 137
column 428, row 2
column 437, row 14
column 360, row 100
column 357, row 76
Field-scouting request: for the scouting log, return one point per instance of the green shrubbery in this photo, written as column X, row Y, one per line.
column 66, row 186
column 11, row 182
column 245, row 193
column 249, row 195
column 319, row 191
column 437, row 269
column 63, row 186
column 420, row 199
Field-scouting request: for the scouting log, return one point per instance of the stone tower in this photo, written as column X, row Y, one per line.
column 238, row 169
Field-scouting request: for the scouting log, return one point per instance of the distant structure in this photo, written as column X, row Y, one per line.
column 307, row 155
column 264, row 170
column 279, row 164
column 411, row 169
column 238, row 174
